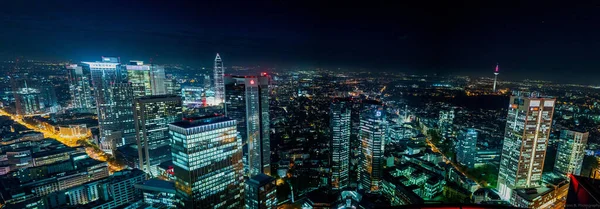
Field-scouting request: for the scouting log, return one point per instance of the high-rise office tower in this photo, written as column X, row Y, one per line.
column 207, row 162
column 261, row 192
column 340, row 124
column 247, row 101
column 372, row 131
column 27, row 100
column 149, row 78
column 446, row 123
column 122, row 95
column 528, row 127
column 152, row 116
column 496, row 73
column 219, row 82
column 466, row 148
column 571, row 150
column 114, row 97
column 80, row 88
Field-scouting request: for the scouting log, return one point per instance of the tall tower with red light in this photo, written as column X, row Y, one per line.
column 496, row 73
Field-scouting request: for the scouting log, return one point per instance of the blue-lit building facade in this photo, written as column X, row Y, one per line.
column 113, row 96
column 207, row 159
column 466, row 148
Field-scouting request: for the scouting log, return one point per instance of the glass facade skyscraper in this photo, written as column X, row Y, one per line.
column 571, row 150
column 466, row 148
column 148, row 78
column 372, row 131
column 247, row 101
column 113, row 101
column 152, row 115
column 207, row 162
column 81, row 92
column 526, row 136
column 340, row 124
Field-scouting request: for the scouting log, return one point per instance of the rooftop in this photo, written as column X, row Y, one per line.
column 157, row 185
column 531, row 193
column 199, row 121
column 261, row 179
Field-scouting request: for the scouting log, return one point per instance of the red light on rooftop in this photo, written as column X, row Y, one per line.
column 251, row 81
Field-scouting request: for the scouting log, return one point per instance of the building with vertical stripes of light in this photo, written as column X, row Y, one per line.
column 114, row 97
column 571, row 151
column 207, row 162
column 372, row 131
column 247, row 101
column 340, row 124
column 526, row 136
column 80, row 89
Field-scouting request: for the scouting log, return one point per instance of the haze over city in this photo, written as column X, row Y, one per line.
column 445, row 38
column 279, row 105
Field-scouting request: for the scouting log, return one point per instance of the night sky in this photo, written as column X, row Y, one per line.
column 537, row 40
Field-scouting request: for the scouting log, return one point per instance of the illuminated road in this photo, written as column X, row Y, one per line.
column 435, row 149
column 91, row 149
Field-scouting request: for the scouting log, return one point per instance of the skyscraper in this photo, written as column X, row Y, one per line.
column 27, row 100
column 340, row 124
column 121, row 113
column 525, row 141
column 372, row 137
column 247, row 101
column 81, row 92
column 571, row 150
column 152, row 115
column 261, row 192
column 113, row 101
column 207, row 159
column 446, row 123
column 149, row 78
column 219, row 82
column 466, row 148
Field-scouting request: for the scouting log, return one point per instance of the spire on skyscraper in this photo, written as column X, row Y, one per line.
column 218, row 78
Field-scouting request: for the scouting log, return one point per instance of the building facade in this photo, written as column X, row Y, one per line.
column 247, row 101
column 80, row 89
column 466, row 148
column 340, row 124
column 148, row 78
column 207, row 159
column 525, row 142
column 261, row 192
column 372, row 138
column 113, row 97
column 571, row 151
column 152, row 117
